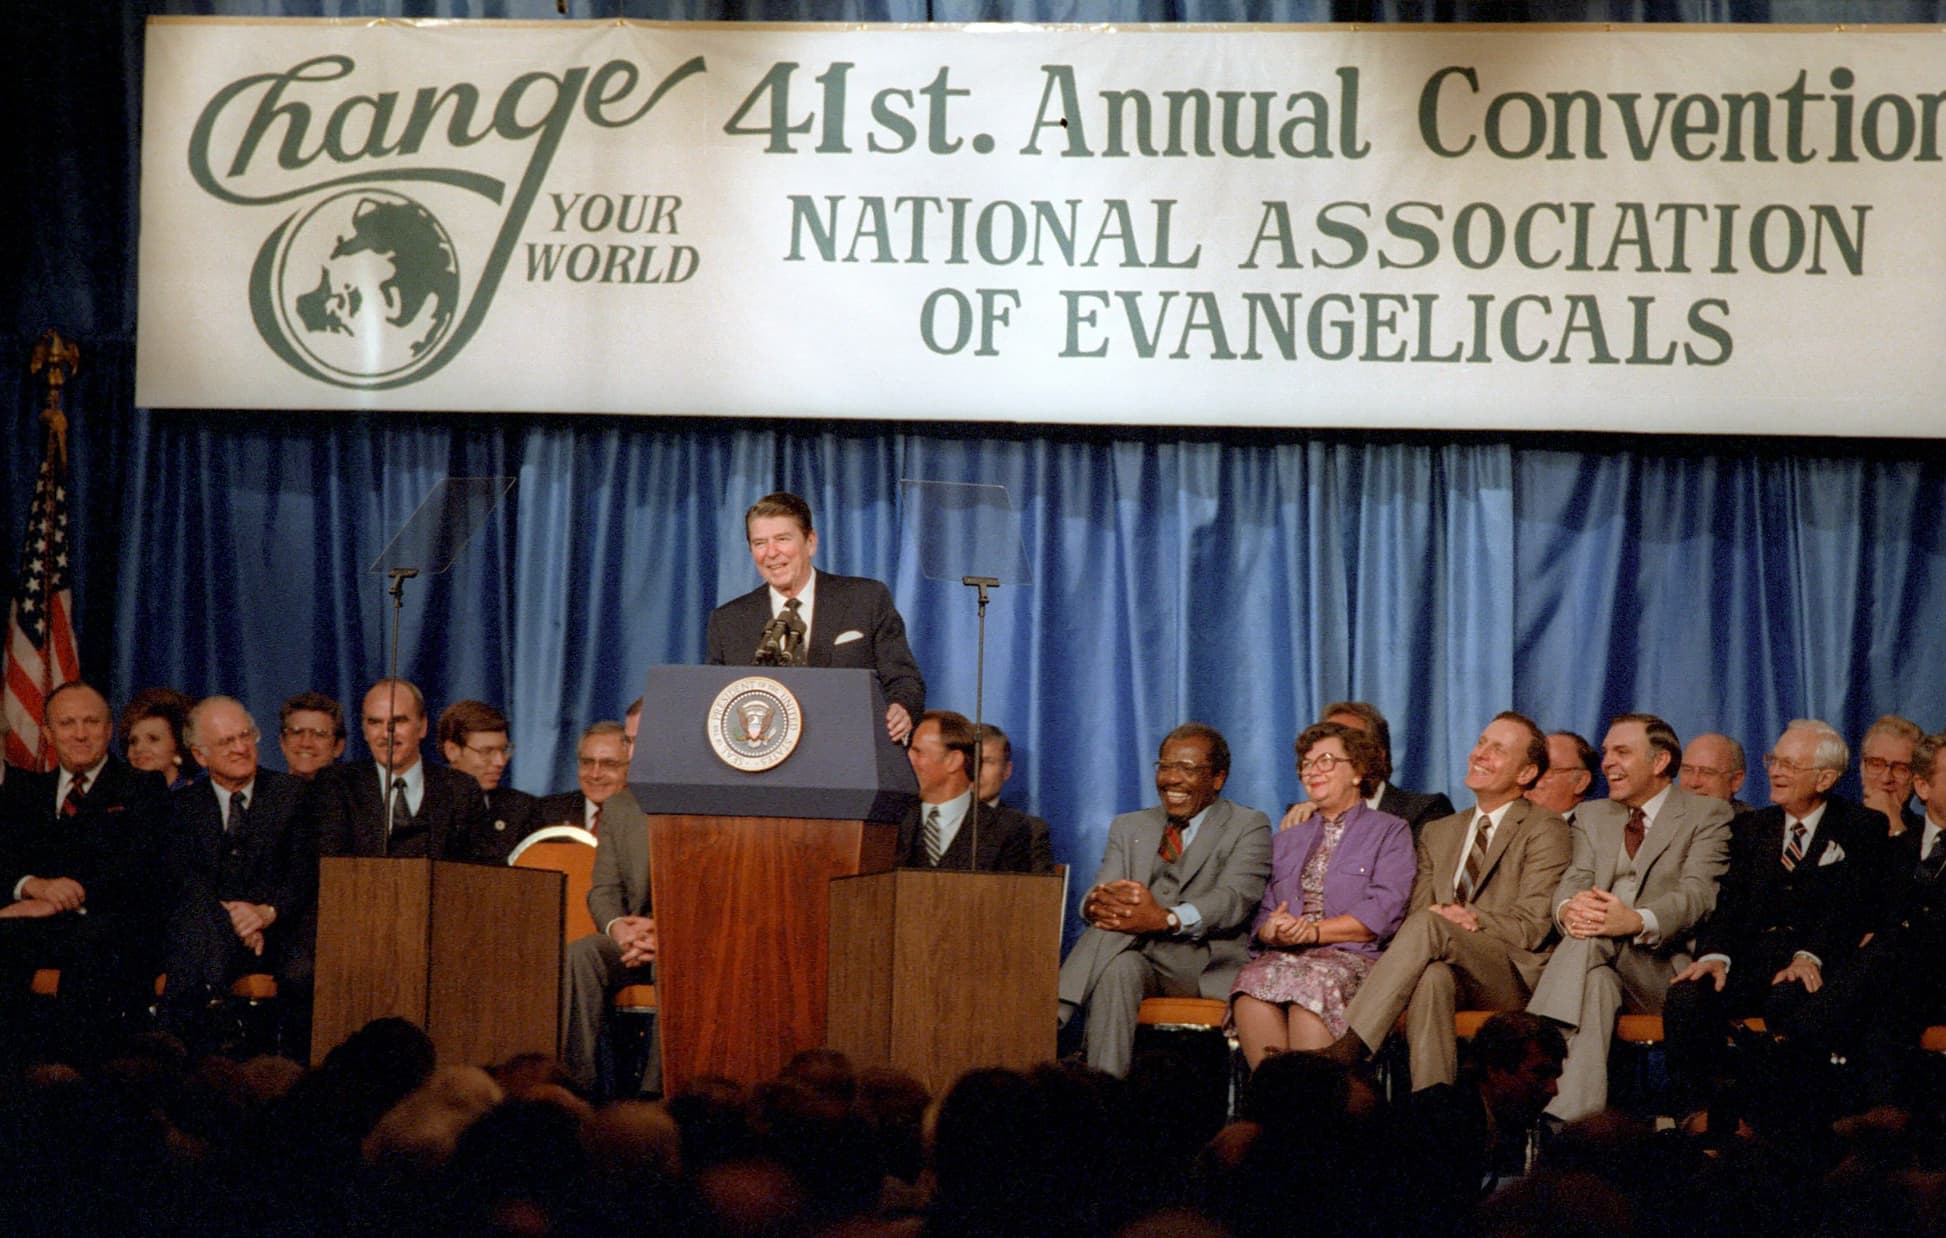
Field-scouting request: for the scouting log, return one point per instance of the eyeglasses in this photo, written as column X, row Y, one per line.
column 1774, row 762
column 1876, row 766
column 605, row 764
column 308, row 732
column 1706, row 771
column 491, row 752
column 1323, row 763
column 242, row 739
column 1188, row 769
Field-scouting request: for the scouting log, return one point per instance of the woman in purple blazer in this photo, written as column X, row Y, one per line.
column 1339, row 884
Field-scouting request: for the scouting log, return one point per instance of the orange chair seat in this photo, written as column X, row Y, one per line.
column 46, row 982
column 1467, row 1023
column 1933, row 1039
column 1182, row 1012
column 1639, row 1029
column 635, row 997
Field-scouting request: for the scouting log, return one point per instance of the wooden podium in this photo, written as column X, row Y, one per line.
column 469, row 952
column 740, row 862
column 936, row 973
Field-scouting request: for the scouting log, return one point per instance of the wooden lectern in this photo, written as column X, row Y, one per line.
column 937, row 973
column 740, row 861
column 469, row 952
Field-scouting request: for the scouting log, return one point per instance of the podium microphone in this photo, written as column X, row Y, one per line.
column 770, row 646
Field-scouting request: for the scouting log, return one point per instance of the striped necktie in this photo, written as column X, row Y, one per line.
column 1794, row 849
column 1476, row 859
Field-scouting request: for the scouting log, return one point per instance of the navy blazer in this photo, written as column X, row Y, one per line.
column 845, row 604
column 1006, row 842
column 1823, row 906
column 113, row 846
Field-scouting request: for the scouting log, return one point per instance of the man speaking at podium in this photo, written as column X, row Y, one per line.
column 802, row 617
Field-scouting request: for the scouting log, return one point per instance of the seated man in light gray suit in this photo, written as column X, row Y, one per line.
column 1481, row 921
column 1644, row 873
column 623, row 945
column 1169, row 913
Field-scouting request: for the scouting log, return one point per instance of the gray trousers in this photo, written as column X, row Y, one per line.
column 594, row 971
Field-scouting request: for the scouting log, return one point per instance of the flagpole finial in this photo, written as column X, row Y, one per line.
column 60, row 358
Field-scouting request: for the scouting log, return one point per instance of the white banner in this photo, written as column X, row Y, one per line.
column 1647, row 229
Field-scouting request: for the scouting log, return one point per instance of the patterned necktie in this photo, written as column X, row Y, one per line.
column 239, row 807
column 1794, row 849
column 1476, row 859
column 401, row 811
column 77, row 791
column 933, row 849
column 1171, row 848
column 1634, row 831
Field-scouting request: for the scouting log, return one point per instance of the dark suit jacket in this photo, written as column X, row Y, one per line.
column 1415, row 808
column 113, row 846
column 845, row 604
column 510, row 816
column 349, row 810
column 564, row 808
column 1764, row 914
column 274, row 860
column 1006, row 842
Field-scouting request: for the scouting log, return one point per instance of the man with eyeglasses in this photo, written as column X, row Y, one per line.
column 310, row 733
column 622, row 949
column 1171, row 908
column 245, row 866
column 1885, row 767
column 1643, row 875
column 395, row 804
column 1479, row 926
column 1798, row 895
column 1569, row 773
column 1712, row 765
column 473, row 736
column 601, row 769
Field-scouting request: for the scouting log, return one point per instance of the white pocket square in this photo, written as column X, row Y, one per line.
column 1832, row 854
column 845, row 638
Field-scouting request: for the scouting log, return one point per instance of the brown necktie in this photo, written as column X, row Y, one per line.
column 1171, row 848
column 1476, row 859
column 1633, row 832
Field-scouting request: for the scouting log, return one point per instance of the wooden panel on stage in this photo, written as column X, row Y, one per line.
column 471, row 953
column 746, row 899
column 496, row 962
column 936, row 973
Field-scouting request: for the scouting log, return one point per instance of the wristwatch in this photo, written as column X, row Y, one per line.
column 1173, row 920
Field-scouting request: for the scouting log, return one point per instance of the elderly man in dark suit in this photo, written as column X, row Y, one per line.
column 1643, row 875
column 245, row 864
column 1799, row 894
column 80, row 868
column 1415, row 808
column 1170, row 911
column 1481, row 925
column 939, row 830
column 622, row 948
column 828, row 620
column 396, row 804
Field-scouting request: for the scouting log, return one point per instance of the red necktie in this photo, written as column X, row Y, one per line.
column 1171, row 848
column 1634, row 831
column 71, row 806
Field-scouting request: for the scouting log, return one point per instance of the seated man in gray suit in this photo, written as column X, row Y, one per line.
column 1481, row 924
column 623, row 946
column 1644, row 874
column 1170, row 911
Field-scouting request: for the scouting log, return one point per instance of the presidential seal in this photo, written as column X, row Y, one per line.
column 754, row 723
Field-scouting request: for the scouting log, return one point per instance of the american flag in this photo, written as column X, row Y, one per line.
column 40, row 629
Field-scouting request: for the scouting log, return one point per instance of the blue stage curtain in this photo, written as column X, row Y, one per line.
column 1244, row 579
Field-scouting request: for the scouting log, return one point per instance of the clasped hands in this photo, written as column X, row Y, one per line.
column 1281, row 928
column 1124, row 907
column 248, row 921
column 636, row 936
column 1597, row 913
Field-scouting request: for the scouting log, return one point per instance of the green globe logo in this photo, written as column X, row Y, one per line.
column 366, row 286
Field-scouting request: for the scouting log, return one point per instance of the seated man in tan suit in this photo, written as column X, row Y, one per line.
column 1480, row 924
